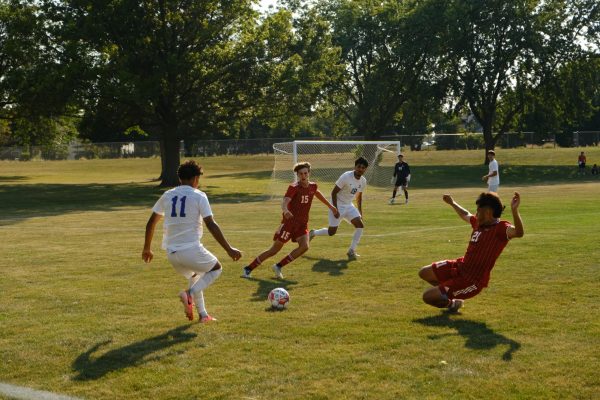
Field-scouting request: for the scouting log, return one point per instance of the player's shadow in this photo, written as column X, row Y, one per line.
column 91, row 368
column 331, row 267
column 265, row 286
column 478, row 335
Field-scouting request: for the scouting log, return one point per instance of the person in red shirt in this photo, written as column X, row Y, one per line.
column 294, row 223
column 581, row 160
column 463, row 278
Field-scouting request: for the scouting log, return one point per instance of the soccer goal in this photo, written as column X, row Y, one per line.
column 329, row 159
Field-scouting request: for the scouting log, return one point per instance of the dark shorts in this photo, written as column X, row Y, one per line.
column 290, row 230
column 401, row 182
column 451, row 284
column 582, row 165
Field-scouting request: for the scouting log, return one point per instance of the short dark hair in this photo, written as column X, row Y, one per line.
column 491, row 152
column 490, row 200
column 400, row 155
column 188, row 170
column 361, row 161
column 301, row 165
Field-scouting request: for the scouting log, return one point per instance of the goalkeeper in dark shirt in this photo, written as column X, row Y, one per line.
column 401, row 178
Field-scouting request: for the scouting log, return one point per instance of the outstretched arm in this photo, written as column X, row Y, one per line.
column 516, row 231
column 462, row 212
column 215, row 230
column 147, row 254
column 334, row 210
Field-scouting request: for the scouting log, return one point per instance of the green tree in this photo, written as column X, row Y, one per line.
column 389, row 51
column 498, row 51
column 34, row 94
column 176, row 69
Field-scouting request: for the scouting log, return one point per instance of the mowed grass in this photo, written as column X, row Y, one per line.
column 80, row 314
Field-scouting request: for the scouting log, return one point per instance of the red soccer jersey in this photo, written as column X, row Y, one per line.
column 485, row 246
column 301, row 200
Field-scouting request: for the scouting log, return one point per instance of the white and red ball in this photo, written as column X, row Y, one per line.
column 278, row 298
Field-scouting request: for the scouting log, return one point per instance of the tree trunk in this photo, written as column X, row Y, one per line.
column 489, row 141
column 170, row 162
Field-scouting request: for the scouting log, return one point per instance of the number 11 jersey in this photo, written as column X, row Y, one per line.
column 183, row 208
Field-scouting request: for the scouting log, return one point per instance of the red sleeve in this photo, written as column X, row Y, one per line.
column 315, row 186
column 473, row 222
column 291, row 191
column 501, row 230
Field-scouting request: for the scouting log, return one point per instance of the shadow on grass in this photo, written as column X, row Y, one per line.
column 331, row 267
column 478, row 335
column 15, row 178
column 91, row 368
column 23, row 201
column 258, row 175
column 265, row 286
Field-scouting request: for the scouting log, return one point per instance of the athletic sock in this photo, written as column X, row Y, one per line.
column 322, row 232
column 194, row 279
column 255, row 263
column 356, row 238
column 206, row 281
column 406, row 194
column 199, row 300
column 286, row 260
column 394, row 193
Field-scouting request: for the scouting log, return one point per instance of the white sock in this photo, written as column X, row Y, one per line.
column 205, row 281
column 322, row 232
column 195, row 279
column 356, row 238
column 199, row 300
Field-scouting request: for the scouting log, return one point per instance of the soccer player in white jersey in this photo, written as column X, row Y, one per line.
column 349, row 186
column 184, row 208
column 493, row 176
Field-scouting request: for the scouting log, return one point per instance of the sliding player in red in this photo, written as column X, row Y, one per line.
column 463, row 278
column 294, row 224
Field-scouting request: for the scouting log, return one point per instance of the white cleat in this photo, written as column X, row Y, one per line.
column 352, row 254
column 277, row 271
column 392, row 200
column 456, row 305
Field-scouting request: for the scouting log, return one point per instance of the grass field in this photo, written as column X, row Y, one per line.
column 81, row 315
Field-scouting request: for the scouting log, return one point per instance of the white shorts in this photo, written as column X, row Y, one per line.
column 195, row 260
column 493, row 188
column 347, row 212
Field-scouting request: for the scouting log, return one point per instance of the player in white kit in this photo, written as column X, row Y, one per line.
column 493, row 176
column 349, row 186
column 184, row 208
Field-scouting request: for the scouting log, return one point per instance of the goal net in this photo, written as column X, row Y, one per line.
column 329, row 159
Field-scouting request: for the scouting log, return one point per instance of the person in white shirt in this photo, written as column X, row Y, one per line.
column 184, row 208
column 349, row 186
column 493, row 176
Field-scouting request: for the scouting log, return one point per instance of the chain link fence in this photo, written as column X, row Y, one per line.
column 207, row 148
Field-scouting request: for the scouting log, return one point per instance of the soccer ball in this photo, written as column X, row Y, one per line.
column 278, row 298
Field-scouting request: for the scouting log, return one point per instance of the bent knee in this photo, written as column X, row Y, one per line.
column 303, row 248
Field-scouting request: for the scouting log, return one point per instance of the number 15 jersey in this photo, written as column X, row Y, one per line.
column 301, row 201
column 183, row 208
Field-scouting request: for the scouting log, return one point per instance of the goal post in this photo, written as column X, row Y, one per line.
column 330, row 158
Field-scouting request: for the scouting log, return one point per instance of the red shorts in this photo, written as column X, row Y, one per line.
column 290, row 230
column 451, row 283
